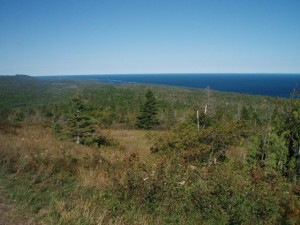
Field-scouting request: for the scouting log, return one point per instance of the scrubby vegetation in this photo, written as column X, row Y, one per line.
column 240, row 167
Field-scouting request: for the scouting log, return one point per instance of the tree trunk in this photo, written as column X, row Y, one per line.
column 198, row 122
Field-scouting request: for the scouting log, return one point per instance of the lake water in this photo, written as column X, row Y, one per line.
column 280, row 85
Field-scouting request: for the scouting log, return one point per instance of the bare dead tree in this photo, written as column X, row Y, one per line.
column 208, row 102
column 238, row 114
column 198, row 122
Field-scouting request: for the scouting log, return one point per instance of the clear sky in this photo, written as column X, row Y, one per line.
column 41, row 37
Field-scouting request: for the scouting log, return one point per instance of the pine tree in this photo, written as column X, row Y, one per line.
column 148, row 115
column 79, row 124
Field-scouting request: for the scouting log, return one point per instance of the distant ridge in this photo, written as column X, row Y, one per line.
column 18, row 81
column 22, row 75
column 16, row 76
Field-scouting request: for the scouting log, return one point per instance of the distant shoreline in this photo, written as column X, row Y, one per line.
column 158, row 74
column 276, row 85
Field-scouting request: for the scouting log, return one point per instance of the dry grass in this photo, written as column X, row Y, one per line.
column 35, row 142
column 134, row 141
column 39, row 140
column 35, row 147
column 93, row 177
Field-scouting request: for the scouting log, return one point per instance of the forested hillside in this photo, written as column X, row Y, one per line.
column 83, row 152
column 119, row 105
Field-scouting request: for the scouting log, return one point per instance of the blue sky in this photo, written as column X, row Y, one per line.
column 42, row 37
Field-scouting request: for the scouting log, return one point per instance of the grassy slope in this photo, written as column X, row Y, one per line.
column 51, row 177
column 134, row 141
column 60, row 182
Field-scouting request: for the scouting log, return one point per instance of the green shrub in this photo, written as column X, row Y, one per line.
column 203, row 145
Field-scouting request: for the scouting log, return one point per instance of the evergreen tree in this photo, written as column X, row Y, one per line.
column 148, row 115
column 287, row 124
column 245, row 114
column 79, row 124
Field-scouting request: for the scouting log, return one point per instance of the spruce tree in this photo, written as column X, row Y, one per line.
column 148, row 114
column 79, row 124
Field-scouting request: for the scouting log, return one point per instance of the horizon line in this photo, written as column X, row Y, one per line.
column 194, row 73
column 169, row 73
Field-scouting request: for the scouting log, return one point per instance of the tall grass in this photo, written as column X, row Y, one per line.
column 61, row 182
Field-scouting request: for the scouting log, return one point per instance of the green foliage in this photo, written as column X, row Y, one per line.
column 245, row 115
column 204, row 145
column 18, row 116
column 58, row 131
column 287, row 123
column 269, row 150
column 148, row 117
column 47, row 98
column 79, row 124
column 177, row 193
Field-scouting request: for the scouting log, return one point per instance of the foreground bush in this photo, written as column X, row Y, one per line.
column 206, row 145
column 229, row 193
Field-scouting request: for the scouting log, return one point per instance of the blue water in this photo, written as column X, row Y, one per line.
column 280, row 85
